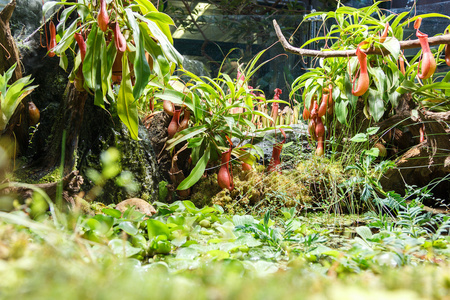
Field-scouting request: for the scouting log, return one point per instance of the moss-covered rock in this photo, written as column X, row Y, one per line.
column 310, row 184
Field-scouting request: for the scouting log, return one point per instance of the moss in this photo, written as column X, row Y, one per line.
column 314, row 182
column 26, row 175
column 53, row 176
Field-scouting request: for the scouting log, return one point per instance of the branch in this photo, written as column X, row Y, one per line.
column 436, row 40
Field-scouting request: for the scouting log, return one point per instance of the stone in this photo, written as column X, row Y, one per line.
column 139, row 204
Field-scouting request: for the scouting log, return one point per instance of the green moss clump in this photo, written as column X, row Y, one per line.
column 53, row 176
column 314, row 182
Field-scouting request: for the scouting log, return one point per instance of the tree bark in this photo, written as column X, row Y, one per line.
column 17, row 129
column 71, row 186
column 425, row 163
column 9, row 54
column 69, row 119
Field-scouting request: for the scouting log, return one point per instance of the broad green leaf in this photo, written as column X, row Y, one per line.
column 112, row 212
column 372, row 130
column 169, row 50
column 14, row 95
column 394, row 97
column 67, row 39
column 126, row 106
column 196, row 172
column 5, row 78
column 185, row 135
column 63, row 62
column 376, row 104
column 161, row 65
column 359, row 138
column 108, row 58
column 243, row 220
column 364, row 232
column 101, row 86
column 61, row 27
column 157, row 228
column 438, row 85
column 176, row 97
column 218, row 254
column 393, row 46
column 146, row 6
column 93, row 50
column 341, row 111
column 141, row 67
column 372, row 152
column 128, row 227
column 379, row 77
column 123, row 248
column 159, row 17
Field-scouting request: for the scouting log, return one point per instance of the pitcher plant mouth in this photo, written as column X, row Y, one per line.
column 275, row 161
column 52, row 43
column 428, row 66
column 103, row 18
column 119, row 39
column 363, row 80
column 385, row 33
column 225, row 177
column 81, row 44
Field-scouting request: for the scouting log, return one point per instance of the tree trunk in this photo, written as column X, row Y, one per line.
column 17, row 129
column 69, row 119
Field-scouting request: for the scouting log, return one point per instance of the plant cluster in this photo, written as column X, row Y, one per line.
column 377, row 85
column 118, row 42
column 219, row 110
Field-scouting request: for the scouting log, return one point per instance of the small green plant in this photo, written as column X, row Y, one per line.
column 221, row 109
column 12, row 94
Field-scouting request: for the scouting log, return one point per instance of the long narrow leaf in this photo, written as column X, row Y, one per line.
column 126, row 106
column 197, row 172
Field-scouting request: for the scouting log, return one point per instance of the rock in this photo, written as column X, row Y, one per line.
column 139, row 204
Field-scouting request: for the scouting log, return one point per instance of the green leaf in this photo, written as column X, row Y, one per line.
column 341, row 111
column 5, row 78
column 364, row 232
column 161, row 65
column 67, row 39
column 373, row 152
column 197, row 172
column 93, row 50
column 141, row 67
column 169, row 50
column 112, row 212
column 126, row 106
column 61, row 27
column 218, row 254
column 159, row 17
column 157, row 228
column 128, row 227
column 185, row 135
column 63, row 62
column 107, row 62
column 146, row 6
column 176, row 97
column 359, row 138
column 99, row 94
column 123, row 248
column 393, row 46
column 376, row 104
column 372, row 130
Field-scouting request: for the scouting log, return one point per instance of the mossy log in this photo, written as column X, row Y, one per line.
column 424, row 163
column 71, row 186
